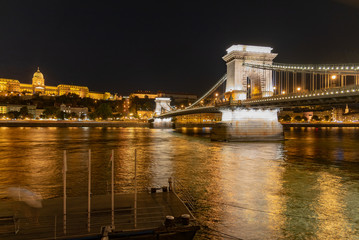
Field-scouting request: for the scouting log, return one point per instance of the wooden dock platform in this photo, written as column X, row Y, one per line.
column 48, row 222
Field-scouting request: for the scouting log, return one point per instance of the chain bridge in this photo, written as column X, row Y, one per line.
column 243, row 104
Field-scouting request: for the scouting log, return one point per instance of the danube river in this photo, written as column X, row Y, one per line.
column 306, row 187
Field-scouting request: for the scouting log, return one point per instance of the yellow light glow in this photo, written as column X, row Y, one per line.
column 274, row 88
column 283, row 92
column 298, row 89
column 334, row 77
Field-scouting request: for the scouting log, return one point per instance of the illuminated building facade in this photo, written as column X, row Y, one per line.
column 144, row 94
column 12, row 86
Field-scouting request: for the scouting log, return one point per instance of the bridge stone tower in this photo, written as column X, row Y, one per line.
column 237, row 73
column 162, row 105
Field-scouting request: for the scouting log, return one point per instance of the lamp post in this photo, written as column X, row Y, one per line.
column 334, row 78
column 248, row 91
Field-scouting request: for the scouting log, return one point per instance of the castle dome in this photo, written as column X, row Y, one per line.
column 38, row 74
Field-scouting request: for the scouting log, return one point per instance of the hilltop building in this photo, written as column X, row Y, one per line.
column 12, row 86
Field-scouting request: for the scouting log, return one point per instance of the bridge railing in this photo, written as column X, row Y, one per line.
column 309, row 94
column 347, row 67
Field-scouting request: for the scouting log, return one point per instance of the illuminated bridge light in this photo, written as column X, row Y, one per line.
column 331, row 93
column 320, row 68
column 337, row 67
column 347, row 68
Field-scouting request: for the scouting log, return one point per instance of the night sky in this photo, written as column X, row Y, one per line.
column 172, row 46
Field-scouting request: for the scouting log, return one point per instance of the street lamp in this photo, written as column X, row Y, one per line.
column 298, row 89
column 334, row 78
column 283, row 92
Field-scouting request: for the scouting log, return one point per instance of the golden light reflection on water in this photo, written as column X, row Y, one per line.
column 331, row 208
column 302, row 188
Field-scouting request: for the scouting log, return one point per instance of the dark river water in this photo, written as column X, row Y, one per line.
column 306, row 187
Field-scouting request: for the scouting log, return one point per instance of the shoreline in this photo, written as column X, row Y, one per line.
column 44, row 123
column 320, row 124
column 64, row 123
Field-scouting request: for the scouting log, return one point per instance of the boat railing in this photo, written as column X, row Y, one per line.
column 77, row 223
column 183, row 193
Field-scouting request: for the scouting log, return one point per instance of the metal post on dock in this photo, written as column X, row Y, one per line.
column 55, row 230
column 89, row 194
column 174, row 184
column 113, row 191
column 64, row 178
column 135, row 204
column 170, row 187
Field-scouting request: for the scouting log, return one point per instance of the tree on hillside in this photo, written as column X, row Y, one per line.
column 287, row 118
column 24, row 112
column 298, row 118
column 50, row 112
column 13, row 114
column 104, row 111
column 315, row 118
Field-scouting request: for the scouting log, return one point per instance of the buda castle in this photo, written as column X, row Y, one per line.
column 12, row 86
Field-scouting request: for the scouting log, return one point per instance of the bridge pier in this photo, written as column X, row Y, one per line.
column 162, row 123
column 248, row 125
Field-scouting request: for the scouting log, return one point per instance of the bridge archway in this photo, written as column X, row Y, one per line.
column 254, row 85
column 238, row 74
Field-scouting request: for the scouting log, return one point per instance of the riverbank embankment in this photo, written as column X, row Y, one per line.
column 45, row 123
column 320, row 124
